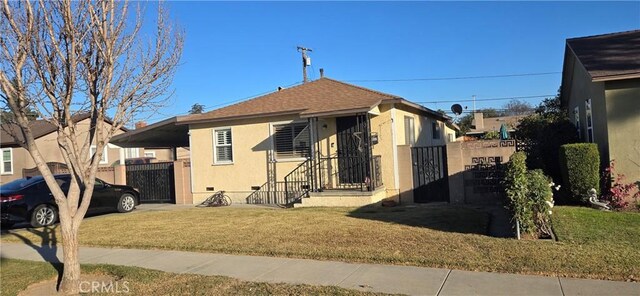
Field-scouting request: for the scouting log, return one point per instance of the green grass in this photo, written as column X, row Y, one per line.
column 444, row 237
column 17, row 275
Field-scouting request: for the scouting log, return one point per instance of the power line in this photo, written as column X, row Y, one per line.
column 453, row 78
column 487, row 99
column 164, row 116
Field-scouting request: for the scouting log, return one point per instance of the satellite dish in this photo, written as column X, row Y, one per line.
column 456, row 109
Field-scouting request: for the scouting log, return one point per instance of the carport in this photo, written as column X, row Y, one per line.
column 164, row 182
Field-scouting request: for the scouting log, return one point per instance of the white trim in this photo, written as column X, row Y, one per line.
column 10, row 160
column 588, row 120
column 105, row 154
column 576, row 121
column 191, row 176
column 213, row 134
column 394, row 143
column 273, row 143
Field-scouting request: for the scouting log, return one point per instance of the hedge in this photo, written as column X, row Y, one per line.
column 580, row 167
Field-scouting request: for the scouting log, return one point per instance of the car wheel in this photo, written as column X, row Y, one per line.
column 127, row 203
column 44, row 215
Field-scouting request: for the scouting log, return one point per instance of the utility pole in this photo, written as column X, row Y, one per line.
column 306, row 61
column 474, row 103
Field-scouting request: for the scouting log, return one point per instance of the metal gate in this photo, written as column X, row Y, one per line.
column 155, row 181
column 430, row 178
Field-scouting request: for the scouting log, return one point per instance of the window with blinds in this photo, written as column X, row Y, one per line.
column 7, row 161
column 291, row 140
column 223, row 151
column 409, row 131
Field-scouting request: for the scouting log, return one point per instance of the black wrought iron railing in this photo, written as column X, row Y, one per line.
column 276, row 193
column 324, row 173
column 350, row 173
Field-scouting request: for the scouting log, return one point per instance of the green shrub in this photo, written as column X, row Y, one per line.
column 580, row 166
column 515, row 186
column 540, row 196
column 491, row 135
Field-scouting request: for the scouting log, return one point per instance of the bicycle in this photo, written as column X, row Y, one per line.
column 218, row 199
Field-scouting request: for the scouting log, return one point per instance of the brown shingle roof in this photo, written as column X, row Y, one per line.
column 39, row 128
column 609, row 56
column 324, row 95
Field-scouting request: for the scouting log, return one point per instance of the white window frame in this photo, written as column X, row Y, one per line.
column 215, row 146
column 588, row 118
column 576, row 119
column 409, row 132
column 437, row 132
column 273, row 140
column 152, row 153
column 105, row 155
column 2, row 171
column 130, row 153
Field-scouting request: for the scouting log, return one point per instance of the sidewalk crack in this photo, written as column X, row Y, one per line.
column 350, row 274
column 443, row 282
column 560, row 282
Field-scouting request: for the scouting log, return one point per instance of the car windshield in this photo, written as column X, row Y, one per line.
column 20, row 183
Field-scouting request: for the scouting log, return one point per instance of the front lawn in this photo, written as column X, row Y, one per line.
column 445, row 236
column 17, row 275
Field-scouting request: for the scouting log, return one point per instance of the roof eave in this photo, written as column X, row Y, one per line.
column 615, row 77
column 182, row 120
column 419, row 107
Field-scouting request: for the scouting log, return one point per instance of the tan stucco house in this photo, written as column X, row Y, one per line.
column 16, row 161
column 324, row 142
column 601, row 92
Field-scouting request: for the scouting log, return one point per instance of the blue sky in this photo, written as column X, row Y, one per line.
column 237, row 50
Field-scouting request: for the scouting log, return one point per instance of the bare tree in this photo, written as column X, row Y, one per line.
column 62, row 58
column 517, row 107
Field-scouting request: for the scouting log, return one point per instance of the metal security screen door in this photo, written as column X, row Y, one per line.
column 353, row 149
column 430, row 178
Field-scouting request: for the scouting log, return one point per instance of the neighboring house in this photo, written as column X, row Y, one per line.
column 481, row 125
column 16, row 160
column 332, row 141
column 601, row 92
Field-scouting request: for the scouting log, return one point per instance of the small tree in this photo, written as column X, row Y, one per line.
column 196, row 109
column 62, row 58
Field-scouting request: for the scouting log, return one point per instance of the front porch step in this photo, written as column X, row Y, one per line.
column 342, row 198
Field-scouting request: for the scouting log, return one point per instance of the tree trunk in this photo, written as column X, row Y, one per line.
column 70, row 283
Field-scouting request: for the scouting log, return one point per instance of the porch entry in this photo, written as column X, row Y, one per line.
column 155, row 181
column 430, row 176
column 353, row 151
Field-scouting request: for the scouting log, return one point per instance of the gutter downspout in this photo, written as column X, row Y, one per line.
column 394, row 143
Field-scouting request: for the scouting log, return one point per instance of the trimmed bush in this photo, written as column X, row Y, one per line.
column 540, row 197
column 580, row 166
column 515, row 187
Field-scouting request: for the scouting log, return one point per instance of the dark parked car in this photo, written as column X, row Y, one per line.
column 30, row 200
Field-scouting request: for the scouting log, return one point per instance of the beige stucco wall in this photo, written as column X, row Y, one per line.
column 623, row 126
column 583, row 89
column 251, row 142
column 466, row 183
column 48, row 147
column 382, row 124
column 422, row 128
column 616, row 118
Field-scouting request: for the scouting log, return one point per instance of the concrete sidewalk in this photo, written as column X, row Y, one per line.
column 365, row 277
